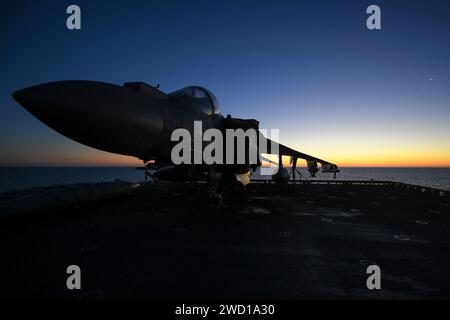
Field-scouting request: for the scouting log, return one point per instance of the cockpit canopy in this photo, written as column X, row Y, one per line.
column 199, row 98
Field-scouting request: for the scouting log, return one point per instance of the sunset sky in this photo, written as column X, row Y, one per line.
column 335, row 89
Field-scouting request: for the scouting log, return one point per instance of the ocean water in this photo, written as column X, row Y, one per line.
column 21, row 178
column 15, row 178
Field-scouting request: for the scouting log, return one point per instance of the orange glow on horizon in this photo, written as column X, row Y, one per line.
column 352, row 157
column 436, row 160
column 111, row 160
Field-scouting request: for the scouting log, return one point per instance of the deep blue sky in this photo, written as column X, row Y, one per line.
column 310, row 68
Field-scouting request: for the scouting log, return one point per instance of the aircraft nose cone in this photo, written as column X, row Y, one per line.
column 53, row 104
column 31, row 99
column 24, row 97
column 17, row 95
column 104, row 116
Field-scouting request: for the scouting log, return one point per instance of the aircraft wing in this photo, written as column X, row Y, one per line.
column 286, row 151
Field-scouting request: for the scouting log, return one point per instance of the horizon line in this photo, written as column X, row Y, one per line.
column 134, row 166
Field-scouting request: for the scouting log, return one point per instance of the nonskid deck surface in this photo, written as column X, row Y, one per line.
column 166, row 241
